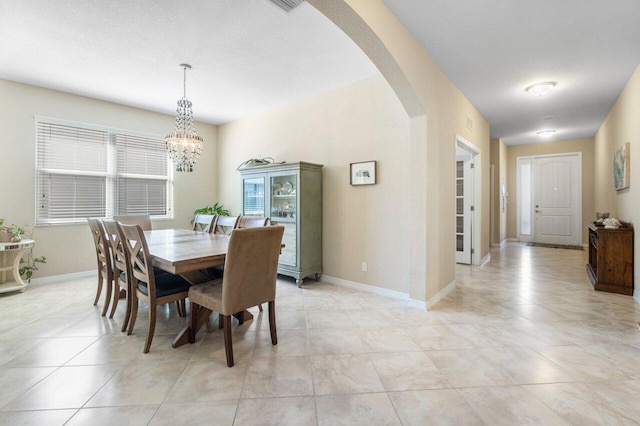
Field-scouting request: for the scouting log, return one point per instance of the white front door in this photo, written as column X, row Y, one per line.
column 557, row 203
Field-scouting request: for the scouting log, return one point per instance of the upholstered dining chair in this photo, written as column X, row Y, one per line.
column 251, row 268
column 105, row 265
column 120, row 270
column 252, row 222
column 224, row 225
column 142, row 220
column 202, row 222
column 153, row 289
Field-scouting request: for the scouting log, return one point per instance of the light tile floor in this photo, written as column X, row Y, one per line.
column 522, row 340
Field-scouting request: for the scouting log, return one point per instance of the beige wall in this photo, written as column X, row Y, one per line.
column 363, row 121
column 432, row 146
column 621, row 125
column 585, row 146
column 69, row 248
column 499, row 169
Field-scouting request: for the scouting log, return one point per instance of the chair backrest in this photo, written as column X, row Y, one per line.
column 142, row 220
column 140, row 266
column 103, row 249
column 202, row 222
column 252, row 222
column 118, row 252
column 251, row 268
column 224, row 225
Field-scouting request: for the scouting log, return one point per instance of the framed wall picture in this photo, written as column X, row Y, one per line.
column 363, row 173
column 622, row 167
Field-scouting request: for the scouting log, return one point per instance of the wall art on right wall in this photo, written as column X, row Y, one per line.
column 621, row 167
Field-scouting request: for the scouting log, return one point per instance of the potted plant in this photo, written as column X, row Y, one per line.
column 217, row 210
column 5, row 234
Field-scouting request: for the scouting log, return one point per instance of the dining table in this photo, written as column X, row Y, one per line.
column 189, row 253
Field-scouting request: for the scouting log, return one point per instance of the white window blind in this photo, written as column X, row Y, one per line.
column 84, row 171
column 142, row 183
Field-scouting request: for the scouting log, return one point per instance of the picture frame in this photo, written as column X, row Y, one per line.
column 622, row 167
column 363, row 173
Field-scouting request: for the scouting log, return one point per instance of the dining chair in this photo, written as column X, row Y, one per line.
column 142, row 220
column 151, row 288
column 105, row 265
column 202, row 222
column 120, row 270
column 251, row 268
column 224, row 225
column 251, row 222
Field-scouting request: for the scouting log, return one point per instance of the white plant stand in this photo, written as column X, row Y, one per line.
column 10, row 255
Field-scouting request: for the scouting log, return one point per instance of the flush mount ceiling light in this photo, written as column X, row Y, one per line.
column 184, row 145
column 545, row 133
column 541, row 89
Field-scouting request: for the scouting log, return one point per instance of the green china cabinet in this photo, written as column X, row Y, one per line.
column 289, row 194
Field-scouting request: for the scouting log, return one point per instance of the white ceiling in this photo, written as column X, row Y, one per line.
column 493, row 49
column 249, row 56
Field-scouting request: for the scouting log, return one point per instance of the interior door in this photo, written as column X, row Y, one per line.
column 558, row 199
column 464, row 205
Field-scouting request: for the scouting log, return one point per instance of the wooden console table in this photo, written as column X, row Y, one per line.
column 10, row 255
column 610, row 266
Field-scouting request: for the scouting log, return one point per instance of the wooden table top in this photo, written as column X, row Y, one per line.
column 183, row 250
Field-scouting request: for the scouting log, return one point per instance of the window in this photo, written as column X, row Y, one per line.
column 87, row 171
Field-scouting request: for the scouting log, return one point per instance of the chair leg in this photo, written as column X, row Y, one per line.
column 107, row 298
column 183, row 307
column 116, row 298
column 272, row 322
column 99, row 290
column 134, row 314
column 228, row 344
column 260, row 307
column 127, row 315
column 194, row 322
column 220, row 322
column 179, row 308
column 152, row 327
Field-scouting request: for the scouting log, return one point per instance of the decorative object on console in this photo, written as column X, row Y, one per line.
column 622, row 167
column 184, row 145
column 363, row 173
column 611, row 223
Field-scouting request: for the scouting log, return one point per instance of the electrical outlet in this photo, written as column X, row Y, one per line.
column 364, row 266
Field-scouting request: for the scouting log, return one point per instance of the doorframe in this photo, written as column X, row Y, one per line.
column 518, row 212
column 476, row 217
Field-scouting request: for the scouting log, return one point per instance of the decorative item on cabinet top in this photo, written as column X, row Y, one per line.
column 252, row 162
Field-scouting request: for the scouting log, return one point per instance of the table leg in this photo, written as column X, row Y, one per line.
column 183, row 336
column 203, row 318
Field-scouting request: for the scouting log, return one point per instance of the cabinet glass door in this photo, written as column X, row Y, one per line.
column 253, row 196
column 283, row 210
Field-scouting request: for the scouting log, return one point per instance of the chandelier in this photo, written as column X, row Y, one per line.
column 183, row 144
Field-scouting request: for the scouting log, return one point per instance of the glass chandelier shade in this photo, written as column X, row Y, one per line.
column 184, row 146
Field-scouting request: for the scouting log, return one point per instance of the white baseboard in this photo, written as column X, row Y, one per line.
column 365, row 287
column 64, row 277
column 485, row 259
column 440, row 295
column 513, row 240
column 500, row 245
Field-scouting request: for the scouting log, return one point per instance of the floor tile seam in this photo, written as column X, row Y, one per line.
column 570, row 373
column 115, row 373
column 55, row 368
